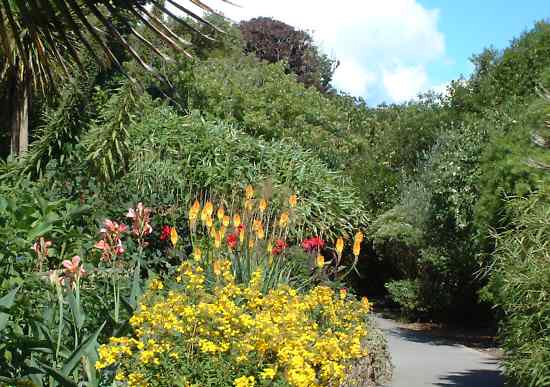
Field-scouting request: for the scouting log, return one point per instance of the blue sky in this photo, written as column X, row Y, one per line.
column 470, row 26
column 391, row 50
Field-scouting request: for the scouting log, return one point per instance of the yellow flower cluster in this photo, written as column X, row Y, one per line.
column 303, row 339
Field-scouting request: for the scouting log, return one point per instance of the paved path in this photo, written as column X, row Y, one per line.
column 422, row 360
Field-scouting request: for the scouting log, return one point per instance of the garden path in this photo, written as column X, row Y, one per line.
column 421, row 359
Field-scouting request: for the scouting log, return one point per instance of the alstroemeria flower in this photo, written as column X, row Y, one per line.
column 141, row 217
column 73, row 268
column 41, row 246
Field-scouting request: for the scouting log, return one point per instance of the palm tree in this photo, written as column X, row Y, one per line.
column 41, row 41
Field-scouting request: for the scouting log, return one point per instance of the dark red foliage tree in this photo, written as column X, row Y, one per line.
column 274, row 41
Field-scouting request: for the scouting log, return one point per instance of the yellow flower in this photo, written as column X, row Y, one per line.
column 217, row 268
column 209, row 222
column 320, row 261
column 244, row 381
column 256, row 225
column 194, row 211
column 197, row 254
column 217, row 239
column 220, row 214
column 260, row 233
column 339, row 246
column 269, row 248
column 251, row 243
column 136, row 379
column 174, row 236
column 268, row 373
column 283, row 220
column 222, row 231
column 241, row 237
column 343, row 294
column 365, row 303
column 293, row 200
column 359, row 236
column 207, row 211
column 156, row 284
column 236, row 220
column 209, row 207
column 249, row 192
column 226, row 220
column 263, row 205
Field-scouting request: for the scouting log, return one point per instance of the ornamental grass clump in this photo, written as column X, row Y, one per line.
column 191, row 333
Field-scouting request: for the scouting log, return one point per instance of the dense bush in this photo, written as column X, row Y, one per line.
column 427, row 237
column 169, row 156
column 520, row 287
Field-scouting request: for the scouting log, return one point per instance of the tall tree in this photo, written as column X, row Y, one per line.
column 41, row 41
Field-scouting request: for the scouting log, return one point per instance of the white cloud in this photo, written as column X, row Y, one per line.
column 383, row 45
column 404, row 83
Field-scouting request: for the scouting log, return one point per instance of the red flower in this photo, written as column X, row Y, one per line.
column 314, row 243
column 280, row 245
column 232, row 240
column 165, row 232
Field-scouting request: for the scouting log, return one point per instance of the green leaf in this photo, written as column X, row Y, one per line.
column 39, row 230
column 76, row 309
column 136, row 288
column 9, row 299
column 62, row 379
column 88, row 344
column 6, row 302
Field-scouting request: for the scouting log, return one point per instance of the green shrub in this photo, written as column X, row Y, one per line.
column 408, row 295
column 519, row 285
column 173, row 157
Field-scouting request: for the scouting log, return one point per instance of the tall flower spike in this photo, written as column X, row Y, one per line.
column 263, row 205
column 226, row 221
column 320, row 261
column 197, row 254
column 283, row 220
column 236, row 220
column 220, row 214
column 174, row 236
column 194, row 211
column 293, row 200
column 209, row 222
column 249, row 192
column 339, row 246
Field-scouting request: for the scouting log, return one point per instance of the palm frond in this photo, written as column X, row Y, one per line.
column 41, row 39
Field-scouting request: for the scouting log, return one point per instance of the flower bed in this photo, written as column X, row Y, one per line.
column 185, row 332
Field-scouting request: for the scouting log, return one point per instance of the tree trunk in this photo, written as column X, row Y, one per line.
column 20, row 106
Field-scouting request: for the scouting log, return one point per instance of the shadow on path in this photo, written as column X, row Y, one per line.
column 422, row 359
column 468, row 378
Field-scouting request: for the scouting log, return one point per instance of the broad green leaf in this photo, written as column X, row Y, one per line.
column 87, row 345
column 6, row 302
column 76, row 309
column 59, row 377
column 39, row 230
